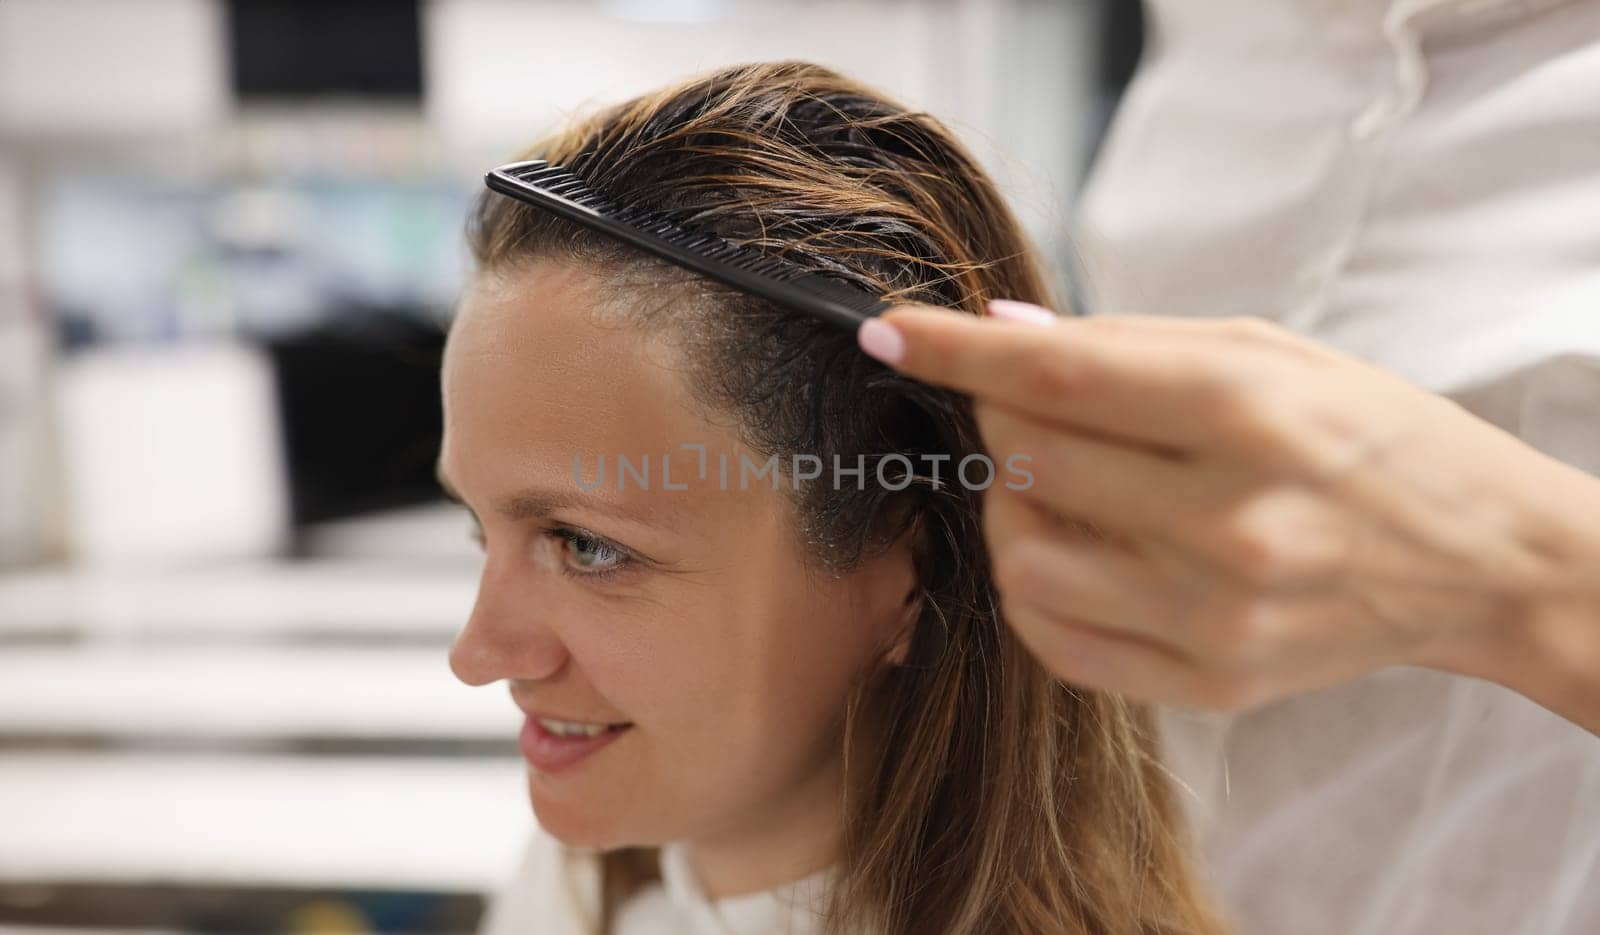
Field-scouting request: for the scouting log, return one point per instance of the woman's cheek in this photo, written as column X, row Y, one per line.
column 644, row 667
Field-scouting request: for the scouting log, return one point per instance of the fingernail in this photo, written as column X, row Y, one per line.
column 1024, row 312
column 881, row 340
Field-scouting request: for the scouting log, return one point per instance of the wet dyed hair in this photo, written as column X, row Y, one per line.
column 992, row 798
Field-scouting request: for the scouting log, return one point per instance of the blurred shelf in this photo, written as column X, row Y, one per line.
column 262, row 726
column 254, row 599
column 247, row 692
column 379, row 822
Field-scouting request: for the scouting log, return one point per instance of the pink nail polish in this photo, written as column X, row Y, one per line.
column 881, row 340
column 1021, row 311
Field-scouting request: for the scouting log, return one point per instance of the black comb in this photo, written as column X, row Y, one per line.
column 558, row 191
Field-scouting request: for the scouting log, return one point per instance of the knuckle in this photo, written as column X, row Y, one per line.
column 1259, row 554
column 1228, row 398
column 1246, row 415
column 1011, row 611
column 1007, row 582
column 1247, row 551
column 1282, row 537
column 1018, row 573
column 1250, row 328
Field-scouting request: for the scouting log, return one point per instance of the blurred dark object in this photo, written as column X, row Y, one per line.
column 237, row 909
column 1124, row 43
column 306, row 48
column 362, row 422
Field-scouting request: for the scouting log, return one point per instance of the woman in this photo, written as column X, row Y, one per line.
column 772, row 705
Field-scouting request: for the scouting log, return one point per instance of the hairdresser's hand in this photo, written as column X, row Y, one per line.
column 1223, row 513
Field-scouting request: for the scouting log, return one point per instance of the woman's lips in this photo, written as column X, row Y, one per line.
column 549, row 752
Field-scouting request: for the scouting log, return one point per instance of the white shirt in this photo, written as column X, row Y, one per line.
column 1417, row 184
column 678, row 905
column 553, row 894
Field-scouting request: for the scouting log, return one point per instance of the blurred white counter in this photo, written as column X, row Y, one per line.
column 259, row 723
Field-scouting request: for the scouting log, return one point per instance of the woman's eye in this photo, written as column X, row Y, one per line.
column 590, row 554
column 586, row 555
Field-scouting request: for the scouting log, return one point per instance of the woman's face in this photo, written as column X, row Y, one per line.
column 686, row 613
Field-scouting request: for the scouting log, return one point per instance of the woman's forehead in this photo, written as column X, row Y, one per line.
column 546, row 313
column 538, row 386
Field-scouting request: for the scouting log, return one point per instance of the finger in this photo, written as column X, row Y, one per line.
column 1056, row 571
column 1097, row 659
column 1150, row 381
column 1108, row 614
column 1117, row 484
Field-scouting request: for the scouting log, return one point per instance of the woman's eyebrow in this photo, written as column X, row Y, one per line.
column 535, row 503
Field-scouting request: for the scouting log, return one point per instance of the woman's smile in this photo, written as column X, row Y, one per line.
column 551, row 744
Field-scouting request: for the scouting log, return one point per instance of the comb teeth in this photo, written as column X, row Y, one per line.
column 569, row 187
column 848, row 296
column 778, row 280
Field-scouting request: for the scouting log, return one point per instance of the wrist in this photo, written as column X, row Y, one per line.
column 1543, row 640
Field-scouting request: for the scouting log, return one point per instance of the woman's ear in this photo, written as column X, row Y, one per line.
column 905, row 626
column 912, row 550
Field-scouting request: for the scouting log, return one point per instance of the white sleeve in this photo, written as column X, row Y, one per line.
column 549, row 893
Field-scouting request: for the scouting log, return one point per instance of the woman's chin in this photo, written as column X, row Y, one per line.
column 576, row 823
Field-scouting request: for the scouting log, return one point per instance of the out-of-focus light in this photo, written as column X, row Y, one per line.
column 667, row 11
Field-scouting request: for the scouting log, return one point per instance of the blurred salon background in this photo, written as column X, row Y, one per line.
column 230, row 239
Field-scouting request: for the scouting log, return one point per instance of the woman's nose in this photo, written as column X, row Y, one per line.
column 506, row 636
